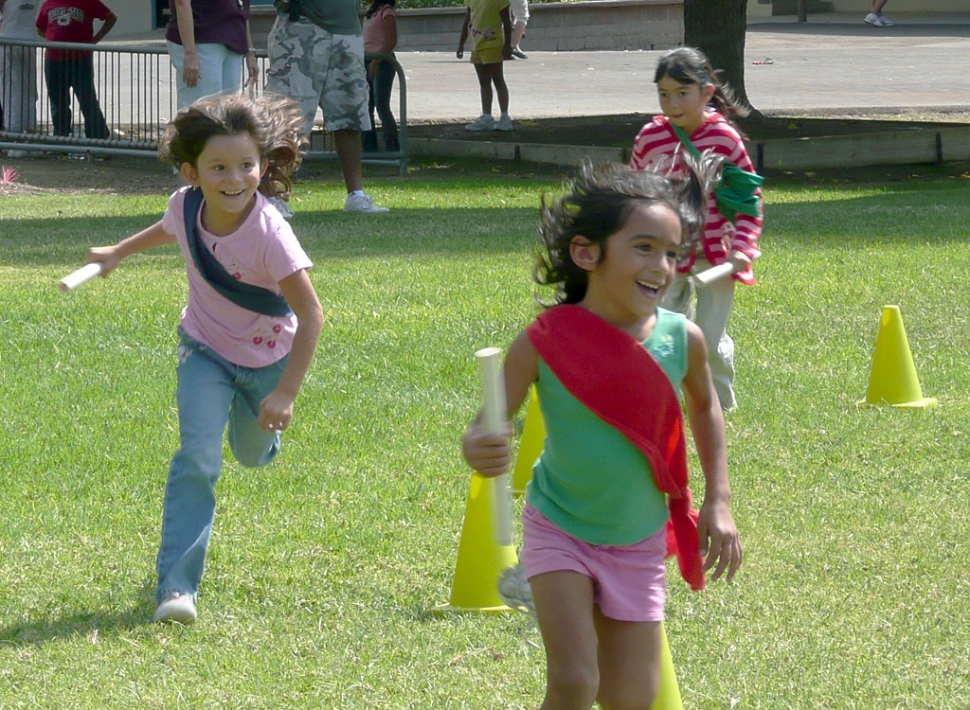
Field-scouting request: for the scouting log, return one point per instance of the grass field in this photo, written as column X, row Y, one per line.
column 324, row 567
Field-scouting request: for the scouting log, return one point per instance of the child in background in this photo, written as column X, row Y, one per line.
column 608, row 365
column 687, row 87
column 876, row 18
column 238, row 365
column 66, row 69
column 380, row 37
column 490, row 25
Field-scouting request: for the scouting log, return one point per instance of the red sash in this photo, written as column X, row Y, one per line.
column 628, row 390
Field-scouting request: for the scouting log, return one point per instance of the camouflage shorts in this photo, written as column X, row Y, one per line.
column 316, row 68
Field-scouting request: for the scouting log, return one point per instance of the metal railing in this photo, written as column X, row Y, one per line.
column 134, row 86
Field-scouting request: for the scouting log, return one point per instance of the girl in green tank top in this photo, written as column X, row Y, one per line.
column 611, row 245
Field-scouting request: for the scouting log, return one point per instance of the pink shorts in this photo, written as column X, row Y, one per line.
column 628, row 580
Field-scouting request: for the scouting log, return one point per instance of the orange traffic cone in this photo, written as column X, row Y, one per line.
column 480, row 559
column 893, row 378
column 530, row 446
column 668, row 694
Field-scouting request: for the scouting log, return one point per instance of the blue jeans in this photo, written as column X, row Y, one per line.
column 380, row 99
column 220, row 72
column 212, row 393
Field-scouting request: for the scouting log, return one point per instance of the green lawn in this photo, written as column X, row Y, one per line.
column 324, row 567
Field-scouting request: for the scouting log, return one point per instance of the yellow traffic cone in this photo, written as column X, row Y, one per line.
column 893, row 378
column 668, row 694
column 480, row 559
column 530, row 446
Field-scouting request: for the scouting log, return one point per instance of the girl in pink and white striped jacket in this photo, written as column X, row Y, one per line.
column 693, row 100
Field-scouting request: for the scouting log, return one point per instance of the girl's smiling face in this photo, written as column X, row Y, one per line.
column 684, row 104
column 627, row 282
column 228, row 171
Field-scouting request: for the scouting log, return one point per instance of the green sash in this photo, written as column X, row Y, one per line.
column 735, row 193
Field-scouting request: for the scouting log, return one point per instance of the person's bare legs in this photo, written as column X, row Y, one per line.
column 518, row 32
column 485, row 87
column 496, row 75
column 877, row 6
column 629, row 662
column 349, row 150
column 564, row 610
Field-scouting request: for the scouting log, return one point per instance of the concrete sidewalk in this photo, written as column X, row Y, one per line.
column 833, row 61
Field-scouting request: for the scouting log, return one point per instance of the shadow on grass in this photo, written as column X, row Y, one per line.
column 40, row 631
column 863, row 221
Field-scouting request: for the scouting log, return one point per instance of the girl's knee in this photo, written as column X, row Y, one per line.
column 573, row 686
column 250, row 456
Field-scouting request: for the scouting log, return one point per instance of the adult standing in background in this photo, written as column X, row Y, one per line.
column 68, row 69
column 207, row 41
column 316, row 57
column 18, row 69
column 520, row 18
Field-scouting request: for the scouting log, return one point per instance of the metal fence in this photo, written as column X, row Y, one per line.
column 134, row 89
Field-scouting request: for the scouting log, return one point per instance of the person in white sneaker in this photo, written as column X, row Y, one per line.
column 253, row 319
column 876, row 18
column 316, row 56
column 490, row 24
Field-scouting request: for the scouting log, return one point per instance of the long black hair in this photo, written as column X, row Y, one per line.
column 689, row 65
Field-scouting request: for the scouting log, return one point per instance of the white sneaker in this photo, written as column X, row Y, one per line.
column 17, row 153
column 504, row 123
column 872, row 19
column 514, row 589
column 884, row 21
column 485, row 122
column 362, row 203
column 177, row 608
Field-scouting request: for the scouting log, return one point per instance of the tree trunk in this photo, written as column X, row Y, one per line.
column 718, row 28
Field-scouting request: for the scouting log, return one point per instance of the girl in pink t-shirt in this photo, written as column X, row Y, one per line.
column 380, row 37
column 240, row 362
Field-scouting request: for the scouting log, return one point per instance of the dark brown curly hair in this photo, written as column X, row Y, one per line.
column 596, row 205
column 274, row 122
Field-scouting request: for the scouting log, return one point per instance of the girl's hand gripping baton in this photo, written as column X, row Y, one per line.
column 494, row 414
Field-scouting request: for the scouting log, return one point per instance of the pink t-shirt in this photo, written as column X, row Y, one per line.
column 262, row 252
column 374, row 34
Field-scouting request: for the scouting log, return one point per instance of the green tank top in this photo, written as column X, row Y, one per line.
column 589, row 479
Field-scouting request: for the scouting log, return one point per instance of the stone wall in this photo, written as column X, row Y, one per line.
column 553, row 27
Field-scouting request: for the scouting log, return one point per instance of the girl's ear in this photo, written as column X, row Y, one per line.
column 263, row 167
column 707, row 91
column 190, row 174
column 584, row 253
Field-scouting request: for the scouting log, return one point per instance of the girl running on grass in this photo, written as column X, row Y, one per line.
column 252, row 321
column 697, row 104
column 608, row 365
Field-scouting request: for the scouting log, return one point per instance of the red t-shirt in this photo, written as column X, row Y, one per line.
column 70, row 21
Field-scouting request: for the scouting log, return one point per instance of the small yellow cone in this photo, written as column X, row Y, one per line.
column 533, row 437
column 893, row 378
column 668, row 694
column 480, row 559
